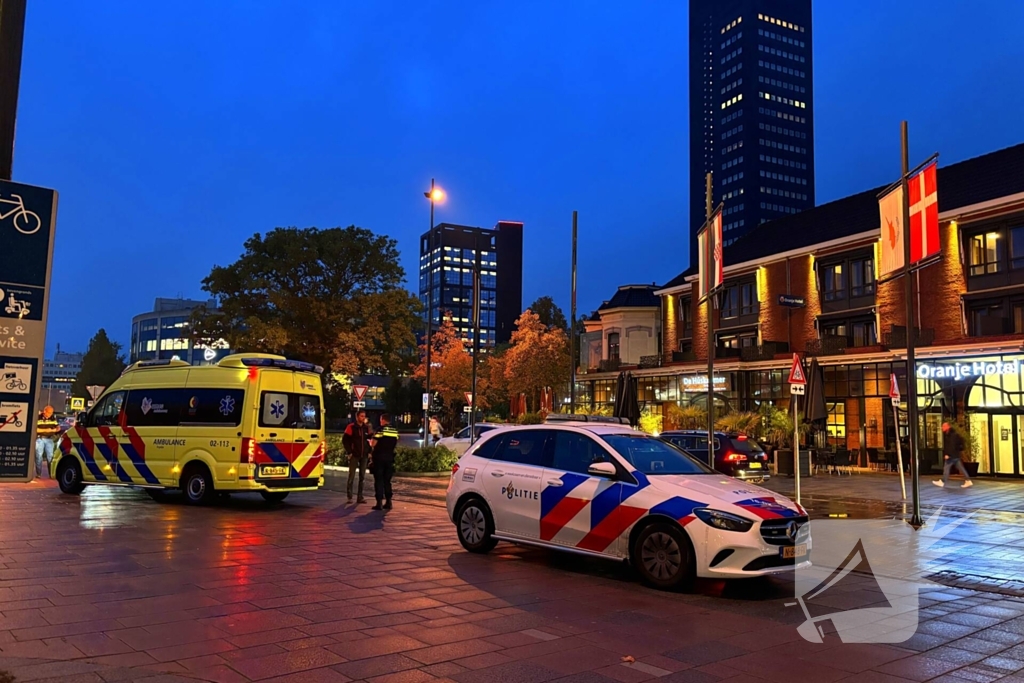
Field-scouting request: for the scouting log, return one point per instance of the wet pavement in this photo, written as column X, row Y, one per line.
column 112, row 586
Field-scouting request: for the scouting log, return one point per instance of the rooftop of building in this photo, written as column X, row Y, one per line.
column 632, row 296
column 973, row 181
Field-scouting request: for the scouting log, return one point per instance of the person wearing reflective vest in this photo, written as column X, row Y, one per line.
column 47, row 429
column 382, row 461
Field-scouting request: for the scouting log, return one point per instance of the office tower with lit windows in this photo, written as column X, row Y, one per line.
column 751, row 111
column 449, row 254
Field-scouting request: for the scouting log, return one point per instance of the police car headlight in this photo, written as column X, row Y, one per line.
column 723, row 520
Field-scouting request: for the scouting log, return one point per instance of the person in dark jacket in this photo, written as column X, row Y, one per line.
column 382, row 461
column 356, row 442
column 952, row 451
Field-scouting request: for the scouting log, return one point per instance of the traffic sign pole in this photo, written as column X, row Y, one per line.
column 894, row 396
column 797, row 387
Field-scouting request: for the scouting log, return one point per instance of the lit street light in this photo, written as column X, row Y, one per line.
column 436, row 195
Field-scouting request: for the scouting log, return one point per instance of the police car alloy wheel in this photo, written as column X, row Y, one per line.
column 69, row 476
column 663, row 556
column 475, row 527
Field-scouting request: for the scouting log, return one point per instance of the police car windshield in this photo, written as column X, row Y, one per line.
column 654, row 456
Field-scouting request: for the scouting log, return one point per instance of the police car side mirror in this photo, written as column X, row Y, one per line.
column 602, row 469
column 81, row 418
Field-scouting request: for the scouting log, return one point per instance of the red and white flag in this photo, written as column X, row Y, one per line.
column 709, row 248
column 923, row 191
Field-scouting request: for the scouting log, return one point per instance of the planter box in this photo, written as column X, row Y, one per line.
column 784, row 462
column 972, row 469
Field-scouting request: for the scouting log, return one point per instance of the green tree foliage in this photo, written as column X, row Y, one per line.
column 550, row 314
column 333, row 297
column 102, row 364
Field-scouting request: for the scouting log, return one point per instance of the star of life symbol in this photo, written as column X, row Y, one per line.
column 277, row 409
column 227, row 405
column 308, row 412
column 868, row 557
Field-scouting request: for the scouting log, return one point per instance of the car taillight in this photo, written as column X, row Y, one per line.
column 248, row 454
column 455, row 468
column 735, row 457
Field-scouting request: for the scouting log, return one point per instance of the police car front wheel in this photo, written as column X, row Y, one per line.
column 663, row 555
column 475, row 526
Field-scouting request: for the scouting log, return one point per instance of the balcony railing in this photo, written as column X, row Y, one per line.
column 728, row 352
column 896, row 337
column 610, row 365
column 650, row 362
column 766, row 351
column 683, row 356
column 828, row 345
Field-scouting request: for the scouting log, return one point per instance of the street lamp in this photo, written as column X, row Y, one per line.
column 436, row 195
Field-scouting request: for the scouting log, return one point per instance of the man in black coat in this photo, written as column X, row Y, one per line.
column 952, row 450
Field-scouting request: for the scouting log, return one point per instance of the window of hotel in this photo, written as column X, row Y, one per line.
column 1017, row 247
column 748, row 299
column 737, row 341
column 730, row 302
column 833, row 284
column 1018, row 318
column 686, row 316
column 863, row 333
column 986, row 252
column 987, row 319
column 613, row 346
column 862, row 277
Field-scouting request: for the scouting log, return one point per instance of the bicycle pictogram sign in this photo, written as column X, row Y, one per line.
column 26, row 222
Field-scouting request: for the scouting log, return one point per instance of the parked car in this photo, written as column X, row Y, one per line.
column 460, row 441
column 736, row 455
column 608, row 491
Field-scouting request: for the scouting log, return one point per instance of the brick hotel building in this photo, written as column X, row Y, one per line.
column 970, row 311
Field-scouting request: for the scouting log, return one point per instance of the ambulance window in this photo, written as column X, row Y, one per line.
column 289, row 411
column 154, row 407
column 107, row 411
column 213, row 407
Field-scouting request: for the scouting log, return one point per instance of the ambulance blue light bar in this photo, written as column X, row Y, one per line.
column 297, row 365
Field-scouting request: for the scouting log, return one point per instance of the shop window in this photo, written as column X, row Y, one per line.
column 836, row 424
column 986, row 251
column 862, row 277
column 833, row 283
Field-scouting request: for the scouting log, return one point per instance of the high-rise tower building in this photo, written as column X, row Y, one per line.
column 448, row 256
column 751, row 111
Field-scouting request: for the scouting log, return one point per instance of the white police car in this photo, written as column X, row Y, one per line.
column 612, row 492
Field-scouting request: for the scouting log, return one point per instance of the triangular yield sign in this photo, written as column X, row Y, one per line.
column 469, row 398
column 796, row 373
column 359, row 390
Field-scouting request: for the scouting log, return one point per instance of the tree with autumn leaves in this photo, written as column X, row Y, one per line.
column 537, row 357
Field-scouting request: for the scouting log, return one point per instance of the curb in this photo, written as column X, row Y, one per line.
column 409, row 475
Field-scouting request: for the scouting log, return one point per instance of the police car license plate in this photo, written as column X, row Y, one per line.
column 274, row 471
column 755, row 465
column 792, row 552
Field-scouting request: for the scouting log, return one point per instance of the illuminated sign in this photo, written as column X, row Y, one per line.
column 700, row 383
column 958, row 371
column 209, row 354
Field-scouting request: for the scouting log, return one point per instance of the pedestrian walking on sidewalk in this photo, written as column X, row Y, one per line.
column 952, row 451
column 356, row 442
column 435, row 431
column 382, row 461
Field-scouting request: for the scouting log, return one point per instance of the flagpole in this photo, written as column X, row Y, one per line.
column 709, row 268
column 912, row 426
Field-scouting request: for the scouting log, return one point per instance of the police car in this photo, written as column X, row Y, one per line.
column 611, row 492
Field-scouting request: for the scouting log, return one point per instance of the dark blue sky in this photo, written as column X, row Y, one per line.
column 174, row 131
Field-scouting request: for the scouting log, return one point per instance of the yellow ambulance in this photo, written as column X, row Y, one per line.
column 252, row 422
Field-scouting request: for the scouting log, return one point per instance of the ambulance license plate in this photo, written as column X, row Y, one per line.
column 792, row 552
column 274, row 471
column 755, row 465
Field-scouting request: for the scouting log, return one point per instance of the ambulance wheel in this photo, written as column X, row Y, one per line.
column 274, row 497
column 69, row 476
column 663, row 555
column 475, row 526
column 197, row 484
